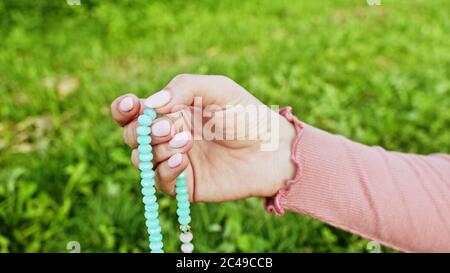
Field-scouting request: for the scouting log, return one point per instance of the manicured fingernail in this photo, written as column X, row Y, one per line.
column 158, row 99
column 126, row 104
column 179, row 140
column 175, row 160
column 161, row 128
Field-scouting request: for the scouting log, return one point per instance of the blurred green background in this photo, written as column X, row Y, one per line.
column 376, row 74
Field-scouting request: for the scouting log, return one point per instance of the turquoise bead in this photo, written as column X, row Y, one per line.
column 144, row 157
column 181, row 190
column 154, row 230
column 149, row 199
column 155, row 237
column 152, row 223
column 182, row 175
column 151, row 214
column 152, row 207
column 156, row 245
column 183, row 212
column 183, row 205
column 155, row 241
column 147, row 182
column 153, row 227
column 143, row 130
column 181, row 183
column 150, row 113
column 184, row 220
column 144, row 140
column 146, row 191
column 145, row 120
column 145, row 166
column 158, row 250
column 147, row 174
column 145, row 149
column 182, row 197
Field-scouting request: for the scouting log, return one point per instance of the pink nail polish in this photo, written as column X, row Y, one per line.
column 126, row 104
column 158, row 99
column 179, row 140
column 161, row 128
column 175, row 160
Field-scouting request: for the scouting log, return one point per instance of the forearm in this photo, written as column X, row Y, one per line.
column 400, row 200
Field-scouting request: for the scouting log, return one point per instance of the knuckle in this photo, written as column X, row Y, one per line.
column 166, row 187
column 134, row 157
column 182, row 77
column 125, row 136
column 156, row 154
column 161, row 151
column 223, row 78
column 129, row 136
column 169, row 189
column 233, row 86
column 164, row 183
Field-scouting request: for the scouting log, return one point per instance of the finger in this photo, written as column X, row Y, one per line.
column 180, row 143
column 135, row 157
column 168, row 171
column 125, row 108
column 183, row 89
column 161, row 131
column 130, row 135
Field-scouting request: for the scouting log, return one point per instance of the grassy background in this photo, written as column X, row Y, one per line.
column 377, row 74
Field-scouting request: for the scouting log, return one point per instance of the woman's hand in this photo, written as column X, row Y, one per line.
column 223, row 160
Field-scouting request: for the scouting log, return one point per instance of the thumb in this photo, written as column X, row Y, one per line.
column 185, row 88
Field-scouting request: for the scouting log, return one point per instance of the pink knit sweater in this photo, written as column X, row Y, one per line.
column 400, row 200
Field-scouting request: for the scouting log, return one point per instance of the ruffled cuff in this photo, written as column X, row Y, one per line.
column 273, row 204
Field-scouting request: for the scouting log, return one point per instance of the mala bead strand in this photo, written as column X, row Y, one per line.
column 149, row 192
column 148, row 182
column 183, row 212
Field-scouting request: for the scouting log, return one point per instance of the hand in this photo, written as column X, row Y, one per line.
column 217, row 169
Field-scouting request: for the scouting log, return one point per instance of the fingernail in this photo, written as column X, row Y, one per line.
column 158, row 99
column 175, row 160
column 179, row 140
column 126, row 104
column 161, row 128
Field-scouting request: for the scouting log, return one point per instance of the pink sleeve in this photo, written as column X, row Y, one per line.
column 400, row 200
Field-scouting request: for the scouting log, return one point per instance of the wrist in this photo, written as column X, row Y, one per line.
column 286, row 168
column 292, row 134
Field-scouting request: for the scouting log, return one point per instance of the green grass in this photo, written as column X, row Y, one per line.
column 376, row 74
